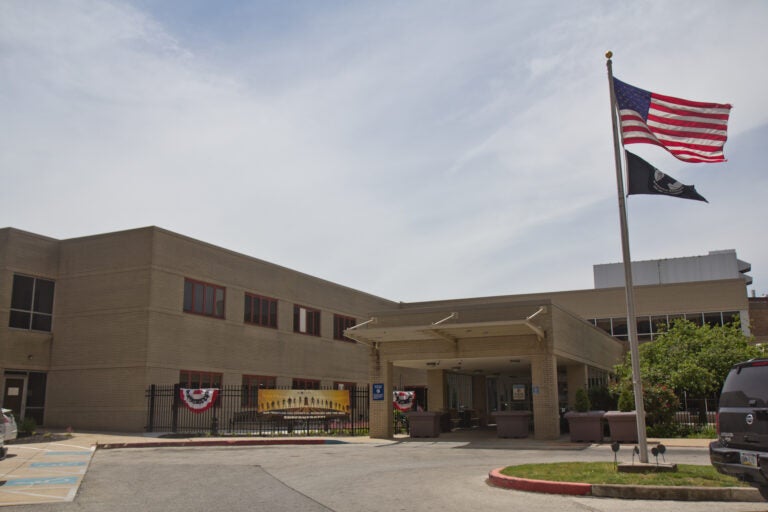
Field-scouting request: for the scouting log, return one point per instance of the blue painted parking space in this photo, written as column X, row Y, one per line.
column 43, row 473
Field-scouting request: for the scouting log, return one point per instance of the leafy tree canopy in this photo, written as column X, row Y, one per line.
column 691, row 358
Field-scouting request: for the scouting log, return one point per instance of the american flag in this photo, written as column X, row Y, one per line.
column 692, row 131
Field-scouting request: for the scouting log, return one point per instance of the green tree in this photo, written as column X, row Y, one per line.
column 691, row 358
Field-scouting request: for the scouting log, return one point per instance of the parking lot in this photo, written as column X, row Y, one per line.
column 445, row 474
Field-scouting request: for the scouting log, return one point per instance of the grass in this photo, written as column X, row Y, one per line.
column 605, row 473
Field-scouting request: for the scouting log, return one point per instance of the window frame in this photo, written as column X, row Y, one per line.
column 298, row 383
column 33, row 312
column 196, row 305
column 213, row 379
column 260, row 320
column 251, row 386
column 312, row 321
column 340, row 324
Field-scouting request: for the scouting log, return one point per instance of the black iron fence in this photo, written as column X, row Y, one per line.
column 234, row 412
column 697, row 412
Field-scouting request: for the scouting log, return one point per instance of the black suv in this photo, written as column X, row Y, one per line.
column 741, row 449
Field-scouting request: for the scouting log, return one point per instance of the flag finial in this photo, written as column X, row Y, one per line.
column 608, row 54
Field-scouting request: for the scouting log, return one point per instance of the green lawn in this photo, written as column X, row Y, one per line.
column 605, row 473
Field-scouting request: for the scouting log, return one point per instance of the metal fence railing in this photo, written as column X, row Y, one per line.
column 234, row 412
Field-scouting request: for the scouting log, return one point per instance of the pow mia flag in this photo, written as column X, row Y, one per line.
column 643, row 178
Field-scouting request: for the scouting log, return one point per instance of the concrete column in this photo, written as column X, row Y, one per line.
column 546, row 416
column 576, row 375
column 436, row 389
column 480, row 398
column 381, row 416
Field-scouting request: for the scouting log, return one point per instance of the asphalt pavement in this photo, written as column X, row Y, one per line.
column 105, row 471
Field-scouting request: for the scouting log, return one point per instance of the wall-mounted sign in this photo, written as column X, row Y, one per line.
column 13, row 391
column 378, row 391
column 518, row 392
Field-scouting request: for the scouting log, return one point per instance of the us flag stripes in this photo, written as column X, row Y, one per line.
column 692, row 131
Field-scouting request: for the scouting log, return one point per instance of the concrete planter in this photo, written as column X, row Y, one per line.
column 623, row 426
column 512, row 423
column 585, row 426
column 424, row 424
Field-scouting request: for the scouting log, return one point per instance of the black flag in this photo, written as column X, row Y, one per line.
column 643, row 178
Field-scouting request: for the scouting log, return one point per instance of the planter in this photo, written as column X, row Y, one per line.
column 512, row 423
column 585, row 426
column 424, row 424
column 623, row 426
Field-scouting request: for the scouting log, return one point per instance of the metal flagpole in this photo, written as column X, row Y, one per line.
column 637, row 385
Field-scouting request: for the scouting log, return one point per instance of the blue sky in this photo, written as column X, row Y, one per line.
column 412, row 150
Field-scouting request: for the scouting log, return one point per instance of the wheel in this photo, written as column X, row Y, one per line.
column 763, row 491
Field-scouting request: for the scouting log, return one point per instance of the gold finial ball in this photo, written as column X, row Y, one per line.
column 608, row 54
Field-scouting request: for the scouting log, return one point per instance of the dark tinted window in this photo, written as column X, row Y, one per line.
column 31, row 303
column 747, row 387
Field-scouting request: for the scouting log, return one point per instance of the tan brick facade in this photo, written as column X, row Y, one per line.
column 119, row 326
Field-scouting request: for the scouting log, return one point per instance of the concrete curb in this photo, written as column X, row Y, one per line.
column 636, row 492
column 545, row 486
column 220, row 442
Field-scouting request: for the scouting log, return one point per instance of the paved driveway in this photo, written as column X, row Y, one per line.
column 413, row 475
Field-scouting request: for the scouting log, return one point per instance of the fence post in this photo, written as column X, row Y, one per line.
column 175, row 408
column 151, row 412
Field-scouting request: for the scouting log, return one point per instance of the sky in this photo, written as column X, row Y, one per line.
column 414, row 150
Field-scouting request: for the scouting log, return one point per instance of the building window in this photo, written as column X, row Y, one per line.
column 31, row 303
column 341, row 323
column 305, row 384
column 203, row 298
column 306, row 320
column 260, row 310
column 192, row 379
column 351, row 386
column 251, row 386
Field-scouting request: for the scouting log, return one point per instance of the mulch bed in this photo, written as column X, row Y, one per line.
column 39, row 438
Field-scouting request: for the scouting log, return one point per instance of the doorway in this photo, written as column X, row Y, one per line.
column 24, row 394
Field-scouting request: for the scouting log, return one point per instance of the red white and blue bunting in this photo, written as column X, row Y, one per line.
column 199, row 400
column 403, row 400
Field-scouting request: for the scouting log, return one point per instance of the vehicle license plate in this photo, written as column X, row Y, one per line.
column 749, row 459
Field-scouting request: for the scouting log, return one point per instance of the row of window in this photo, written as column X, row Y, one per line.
column 209, row 300
column 649, row 327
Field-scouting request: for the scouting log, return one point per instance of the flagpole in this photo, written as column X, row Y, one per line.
column 637, row 385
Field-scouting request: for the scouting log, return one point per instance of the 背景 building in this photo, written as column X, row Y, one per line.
column 87, row 324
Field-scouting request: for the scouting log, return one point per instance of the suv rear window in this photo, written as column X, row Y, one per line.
column 746, row 386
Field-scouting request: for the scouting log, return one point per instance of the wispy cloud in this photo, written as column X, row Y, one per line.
column 415, row 151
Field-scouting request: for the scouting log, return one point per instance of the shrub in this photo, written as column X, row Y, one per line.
column 28, row 426
column 626, row 401
column 601, row 398
column 582, row 403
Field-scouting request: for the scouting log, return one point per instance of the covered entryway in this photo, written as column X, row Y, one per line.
column 486, row 355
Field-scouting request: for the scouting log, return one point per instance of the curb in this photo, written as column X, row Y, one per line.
column 236, row 442
column 630, row 492
column 545, row 486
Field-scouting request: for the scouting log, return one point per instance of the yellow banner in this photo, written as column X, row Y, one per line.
column 303, row 401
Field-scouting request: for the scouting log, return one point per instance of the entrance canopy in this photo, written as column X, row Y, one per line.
column 486, row 339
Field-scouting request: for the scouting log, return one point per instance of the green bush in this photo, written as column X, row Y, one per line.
column 626, row 401
column 28, row 426
column 582, row 403
column 601, row 398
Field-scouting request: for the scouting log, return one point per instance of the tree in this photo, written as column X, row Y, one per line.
column 691, row 358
